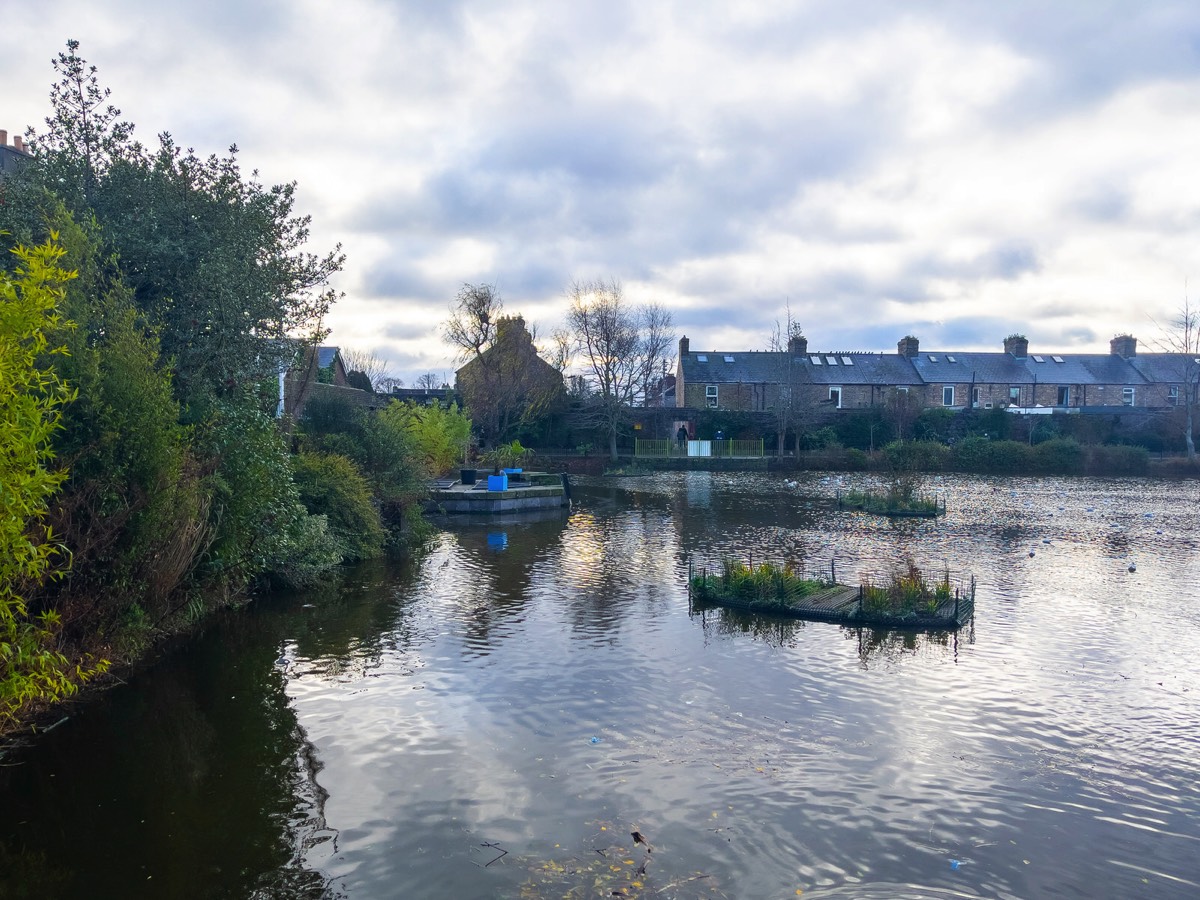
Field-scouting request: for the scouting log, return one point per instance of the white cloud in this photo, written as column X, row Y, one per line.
column 897, row 165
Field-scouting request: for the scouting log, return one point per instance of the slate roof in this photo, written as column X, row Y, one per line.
column 933, row 367
column 1003, row 368
column 1167, row 368
column 734, row 367
column 865, row 368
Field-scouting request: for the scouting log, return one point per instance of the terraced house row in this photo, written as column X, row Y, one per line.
column 1069, row 382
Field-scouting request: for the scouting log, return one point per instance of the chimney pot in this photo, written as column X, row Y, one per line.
column 684, row 345
column 908, row 346
column 19, row 142
column 3, row 138
column 1123, row 345
column 798, row 344
column 1017, row 345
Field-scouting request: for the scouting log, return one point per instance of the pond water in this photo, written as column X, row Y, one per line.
column 498, row 717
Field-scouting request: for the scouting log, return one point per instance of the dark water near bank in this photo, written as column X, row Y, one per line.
column 495, row 719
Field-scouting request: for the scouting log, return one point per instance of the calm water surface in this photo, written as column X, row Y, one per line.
column 495, row 719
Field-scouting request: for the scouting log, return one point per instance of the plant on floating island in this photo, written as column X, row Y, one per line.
column 765, row 587
column 506, row 456
column 906, row 592
column 900, row 498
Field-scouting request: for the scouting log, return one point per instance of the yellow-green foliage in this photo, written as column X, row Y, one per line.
column 31, row 396
column 440, row 435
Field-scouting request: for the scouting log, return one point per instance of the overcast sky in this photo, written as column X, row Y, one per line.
column 955, row 170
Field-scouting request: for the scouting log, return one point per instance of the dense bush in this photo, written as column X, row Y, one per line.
column 1117, row 459
column 1059, row 456
column 31, row 397
column 331, row 486
column 916, row 456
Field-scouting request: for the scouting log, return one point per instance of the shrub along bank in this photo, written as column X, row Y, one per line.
column 146, row 481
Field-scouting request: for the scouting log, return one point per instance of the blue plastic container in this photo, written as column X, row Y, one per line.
column 497, row 482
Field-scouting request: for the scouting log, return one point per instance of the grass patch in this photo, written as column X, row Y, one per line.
column 763, row 588
column 892, row 503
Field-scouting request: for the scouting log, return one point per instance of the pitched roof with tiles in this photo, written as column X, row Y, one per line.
column 736, row 367
column 956, row 367
column 860, row 368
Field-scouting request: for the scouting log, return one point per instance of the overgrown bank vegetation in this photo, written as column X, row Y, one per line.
column 149, row 299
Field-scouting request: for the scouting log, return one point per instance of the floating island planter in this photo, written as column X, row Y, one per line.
column 891, row 503
column 904, row 599
column 512, row 490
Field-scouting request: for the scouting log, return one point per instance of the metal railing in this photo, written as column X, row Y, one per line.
column 725, row 449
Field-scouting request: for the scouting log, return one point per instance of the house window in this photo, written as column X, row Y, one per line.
column 1128, row 395
column 1173, row 395
column 1064, row 396
column 948, row 395
column 710, row 394
column 975, row 396
column 835, row 395
column 901, row 390
column 1014, row 396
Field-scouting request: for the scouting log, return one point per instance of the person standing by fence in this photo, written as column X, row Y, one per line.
column 682, row 436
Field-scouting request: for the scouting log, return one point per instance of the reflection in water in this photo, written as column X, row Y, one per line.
column 119, row 802
column 480, row 722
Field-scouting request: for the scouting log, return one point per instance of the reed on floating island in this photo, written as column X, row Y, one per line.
column 893, row 503
column 764, row 588
column 906, row 598
column 906, row 592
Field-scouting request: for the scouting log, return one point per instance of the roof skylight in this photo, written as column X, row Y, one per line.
column 728, row 359
column 832, row 360
column 847, row 361
column 816, row 360
column 1040, row 359
column 1057, row 358
column 951, row 359
column 933, row 359
column 701, row 357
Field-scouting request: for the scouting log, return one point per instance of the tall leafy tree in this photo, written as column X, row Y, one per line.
column 215, row 259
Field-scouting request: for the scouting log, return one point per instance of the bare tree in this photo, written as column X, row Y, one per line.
column 374, row 367
column 1181, row 339
column 388, row 383
column 620, row 348
column 786, row 342
column 428, row 381
column 471, row 328
column 504, row 382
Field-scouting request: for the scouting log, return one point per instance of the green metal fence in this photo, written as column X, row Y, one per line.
column 721, row 449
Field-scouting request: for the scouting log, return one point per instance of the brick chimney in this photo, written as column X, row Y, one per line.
column 908, row 346
column 1123, row 345
column 1017, row 345
column 798, row 344
column 19, row 142
column 684, row 346
column 3, row 138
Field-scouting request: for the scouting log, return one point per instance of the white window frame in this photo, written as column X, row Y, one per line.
column 947, row 395
column 1064, row 395
column 836, row 389
column 1128, row 396
column 1173, row 395
column 1014, row 395
column 710, row 394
